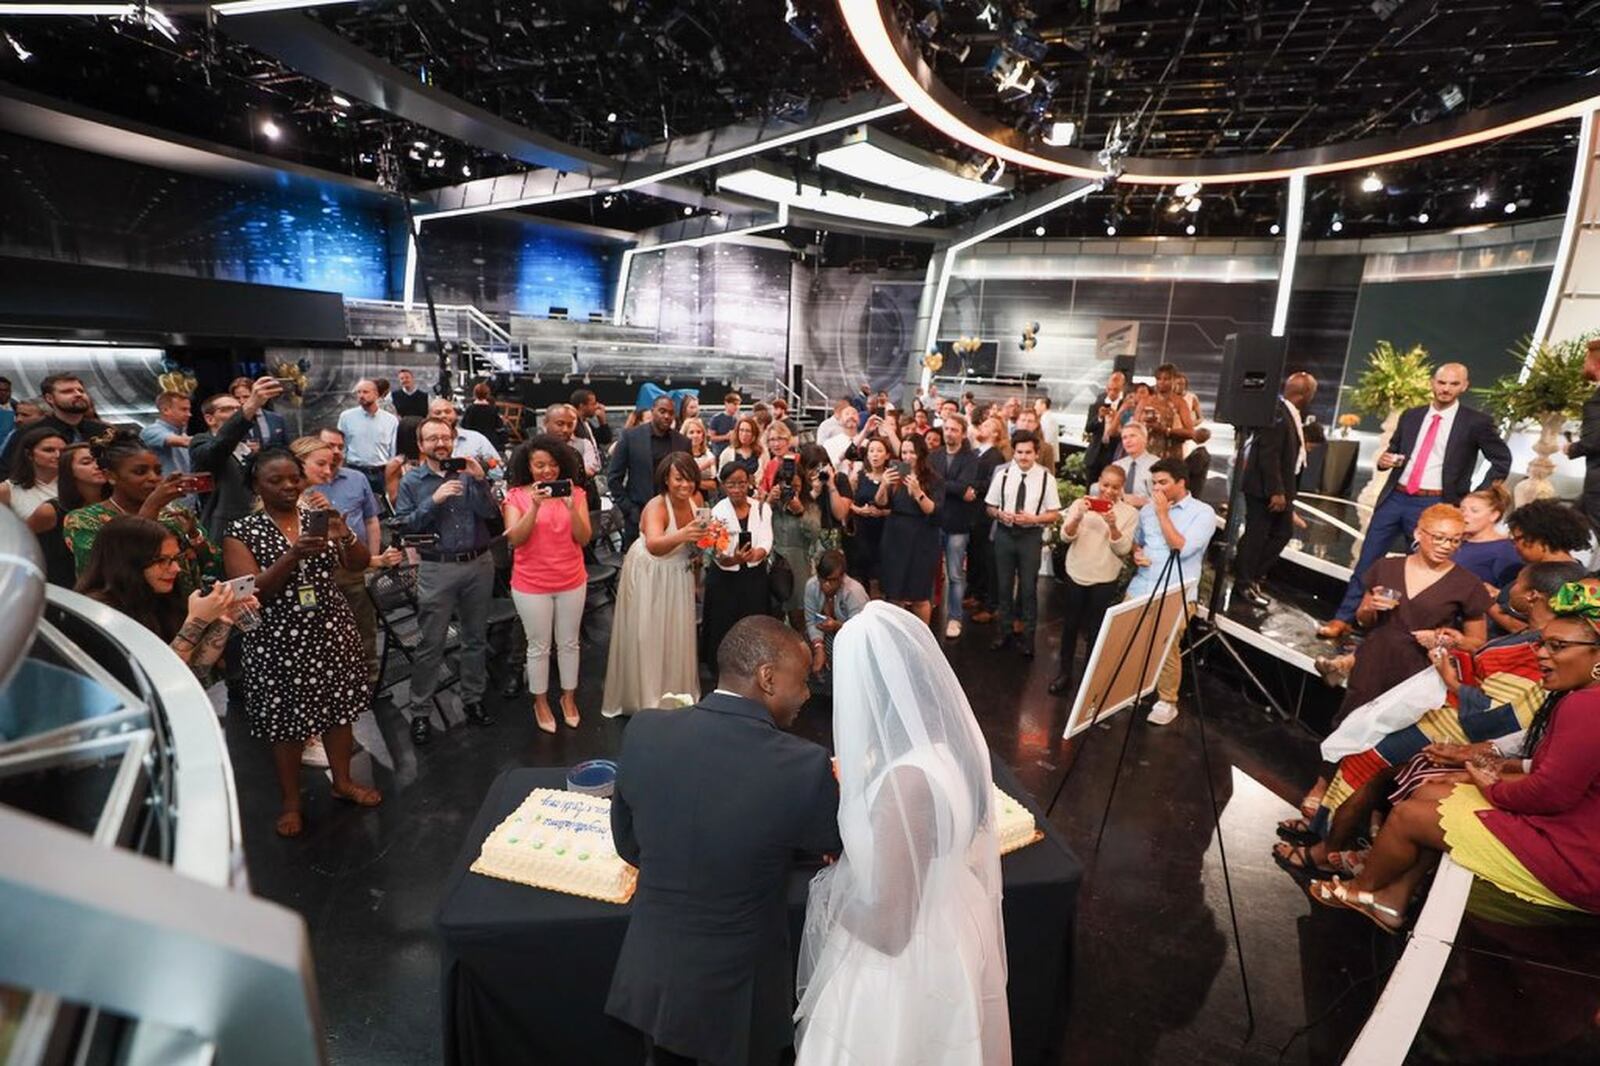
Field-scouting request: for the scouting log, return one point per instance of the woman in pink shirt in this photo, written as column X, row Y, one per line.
column 547, row 525
column 1529, row 826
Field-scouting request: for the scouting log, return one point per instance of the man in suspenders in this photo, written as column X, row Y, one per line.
column 1023, row 499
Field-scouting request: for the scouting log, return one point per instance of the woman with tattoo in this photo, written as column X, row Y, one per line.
column 134, row 567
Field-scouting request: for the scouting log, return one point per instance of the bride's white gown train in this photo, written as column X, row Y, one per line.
column 903, row 960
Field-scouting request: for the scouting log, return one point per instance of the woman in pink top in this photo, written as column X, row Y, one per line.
column 547, row 525
column 1529, row 826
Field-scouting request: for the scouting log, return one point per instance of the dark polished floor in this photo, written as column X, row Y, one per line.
column 1157, row 975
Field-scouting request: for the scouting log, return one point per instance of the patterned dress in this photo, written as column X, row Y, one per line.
column 201, row 558
column 305, row 667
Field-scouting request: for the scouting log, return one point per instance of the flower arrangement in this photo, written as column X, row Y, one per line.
column 1347, row 422
column 714, row 540
column 1553, row 386
column 1393, row 380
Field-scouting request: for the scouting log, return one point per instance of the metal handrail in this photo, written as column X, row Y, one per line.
column 827, row 401
column 794, row 397
column 22, row 590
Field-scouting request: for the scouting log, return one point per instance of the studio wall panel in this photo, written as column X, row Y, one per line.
column 502, row 265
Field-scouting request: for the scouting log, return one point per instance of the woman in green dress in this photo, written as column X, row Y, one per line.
column 138, row 488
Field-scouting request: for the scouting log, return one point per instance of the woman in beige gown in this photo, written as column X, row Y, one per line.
column 652, row 631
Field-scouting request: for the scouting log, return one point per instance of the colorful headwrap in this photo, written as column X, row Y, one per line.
column 1577, row 599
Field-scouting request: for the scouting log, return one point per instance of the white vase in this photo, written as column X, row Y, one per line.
column 1537, row 486
column 1368, row 499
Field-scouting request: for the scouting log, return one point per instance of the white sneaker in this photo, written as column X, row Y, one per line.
column 313, row 754
column 952, row 629
column 1163, row 713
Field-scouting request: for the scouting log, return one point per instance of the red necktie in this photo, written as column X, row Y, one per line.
column 1414, row 482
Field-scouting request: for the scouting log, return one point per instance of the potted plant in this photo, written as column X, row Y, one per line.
column 1550, row 390
column 1393, row 381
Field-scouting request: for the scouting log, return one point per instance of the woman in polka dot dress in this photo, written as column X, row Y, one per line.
column 304, row 665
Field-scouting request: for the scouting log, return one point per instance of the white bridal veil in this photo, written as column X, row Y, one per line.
column 903, row 958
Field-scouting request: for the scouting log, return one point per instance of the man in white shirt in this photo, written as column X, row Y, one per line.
column 470, row 444
column 1023, row 499
column 1273, row 463
column 1174, row 522
column 369, row 434
column 844, row 422
column 1136, row 465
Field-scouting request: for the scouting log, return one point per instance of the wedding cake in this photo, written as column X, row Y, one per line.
column 560, row 841
column 1013, row 822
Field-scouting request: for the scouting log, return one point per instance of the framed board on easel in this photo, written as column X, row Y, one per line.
column 1133, row 640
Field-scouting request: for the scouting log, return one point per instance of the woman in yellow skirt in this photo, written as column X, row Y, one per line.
column 1530, row 826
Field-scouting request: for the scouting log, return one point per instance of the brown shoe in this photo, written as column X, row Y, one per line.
column 1334, row 630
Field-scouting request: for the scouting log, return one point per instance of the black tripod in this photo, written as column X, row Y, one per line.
column 1211, row 626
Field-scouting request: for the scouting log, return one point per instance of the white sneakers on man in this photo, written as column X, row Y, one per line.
column 1163, row 713
column 952, row 629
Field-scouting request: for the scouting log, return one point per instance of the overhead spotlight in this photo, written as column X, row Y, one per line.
column 607, row 200
column 611, row 116
column 340, row 100
column 687, row 210
column 1111, row 231
column 1274, row 229
column 1038, row 231
column 1186, row 189
column 1175, row 205
column 1061, row 134
column 1480, row 201
column 1192, row 204
column 1423, row 217
column 270, row 130
column 990, row 16
column 1371, row 183
column 1452, row 97
column 466, row 170
column 1189, row 229
column 1338, row 224
column 16, row 46
column 1511, row 207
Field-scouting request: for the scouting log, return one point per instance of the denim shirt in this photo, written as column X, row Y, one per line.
column 460, row 521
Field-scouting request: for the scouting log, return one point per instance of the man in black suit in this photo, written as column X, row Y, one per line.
column 1272, row 469
column 1430, row 460
column 631, row 475
column 1099, row 452
column 69, row 414
column 267, row 428
column 592, row 423
column 1587, row 446
column 711, row 805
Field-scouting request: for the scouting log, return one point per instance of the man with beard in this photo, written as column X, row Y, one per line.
column 631, row 476
column 69, row 414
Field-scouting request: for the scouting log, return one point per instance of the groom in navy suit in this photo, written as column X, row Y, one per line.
column 711, row 805
column 1430, row 460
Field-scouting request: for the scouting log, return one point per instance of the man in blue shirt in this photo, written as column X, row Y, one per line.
column 168, row 438
column 369, row 434
column 720, row 430
column 832, row 598
column 351, row 496
column 1172, row 522
column 456, row 575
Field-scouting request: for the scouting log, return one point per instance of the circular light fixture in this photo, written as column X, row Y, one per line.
column 687, row 210
column 340, row 101
column 270, row 129
column 1511, row 207
column 1275, row 229
column 1192, row 205
column 1188, row 188
column 611, row 116
column 1423, row 216
column 1038, row 231
column 1480, row 201
column 1111, row 231
column 1338, row 226
column 1371, row 183
column 893, row 54
column 1189, row 229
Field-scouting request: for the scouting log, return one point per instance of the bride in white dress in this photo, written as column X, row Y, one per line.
column 903, row 960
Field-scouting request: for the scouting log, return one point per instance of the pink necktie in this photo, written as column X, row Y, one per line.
column 1414, row 482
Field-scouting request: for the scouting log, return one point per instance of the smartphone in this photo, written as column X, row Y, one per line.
column 452, row 467
column 287, row 383
column 558, row 489
column 786, row 468
column 702, row 514
column 243, row 586
column 201, row 482
column 315, row 524
column 744, row 539
column 901, row 468
column 785, row 493
column 1099, row 504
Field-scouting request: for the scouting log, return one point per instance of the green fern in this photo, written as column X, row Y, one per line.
column 1555, row 383
column 1393, row 380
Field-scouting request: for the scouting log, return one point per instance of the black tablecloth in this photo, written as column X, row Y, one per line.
column 524, row 972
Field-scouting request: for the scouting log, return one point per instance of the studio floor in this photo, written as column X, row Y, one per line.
column 1157, row 974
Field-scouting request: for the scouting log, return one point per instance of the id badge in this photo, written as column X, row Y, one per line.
column 306, row 598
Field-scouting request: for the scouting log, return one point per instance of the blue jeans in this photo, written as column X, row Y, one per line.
column 1395, row 516
column 955, row 573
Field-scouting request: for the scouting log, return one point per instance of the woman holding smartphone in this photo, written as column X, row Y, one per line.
column 865, row 545
column 547, row 525
column 1099, row 534
column 304, row 665
column 911, row 492
column 736, row 585
column 744, row 449
column 133, row 473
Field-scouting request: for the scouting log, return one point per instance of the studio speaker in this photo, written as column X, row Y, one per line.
column 1124, row 363
column 1252, row 373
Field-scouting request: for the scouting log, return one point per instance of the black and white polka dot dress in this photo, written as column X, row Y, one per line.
column 305, row 669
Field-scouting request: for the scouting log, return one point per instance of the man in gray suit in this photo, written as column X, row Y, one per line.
column 711, row 805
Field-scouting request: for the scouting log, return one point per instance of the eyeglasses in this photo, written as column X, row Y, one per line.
column 1448, row 542
column 166, row 560
column 1554, row 645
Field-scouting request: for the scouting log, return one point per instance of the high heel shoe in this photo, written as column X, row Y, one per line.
column 546, row 722
column 572, row 720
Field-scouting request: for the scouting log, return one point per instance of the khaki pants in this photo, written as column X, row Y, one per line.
column 353, row 584
column 1171, row 676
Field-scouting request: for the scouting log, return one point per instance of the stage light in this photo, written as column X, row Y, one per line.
column 270, row 130
column 1186, row 189
column 421, row 146
column 1174, row 206
column 687, row 210
column 1038, row 231
column 466, row 170
column 1189, row 229
column 252, row 7
column 1480, row 201
column 1192, row 205
column 607, row 200
column 1338, row 225
column 1423, row 216
column 340, row 101
column 1274, row 229
column 1111, row 231
column 871, row 156
column 611, row 116
column 16, row 46
column 1061, row 134
column 1371, row 183
column 1511, row 207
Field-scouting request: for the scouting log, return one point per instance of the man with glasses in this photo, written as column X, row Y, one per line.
column 1429, row 460
column 222, row 451
column 456, row 576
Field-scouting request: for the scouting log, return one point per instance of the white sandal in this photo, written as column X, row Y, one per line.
column 1334, row 893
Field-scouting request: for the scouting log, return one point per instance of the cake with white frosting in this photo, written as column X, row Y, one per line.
column 560, row 841
column 1013, row 822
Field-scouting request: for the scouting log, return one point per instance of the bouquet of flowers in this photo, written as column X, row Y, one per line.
column 714, row 540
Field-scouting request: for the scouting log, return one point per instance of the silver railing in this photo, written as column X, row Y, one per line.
column 125, row 917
